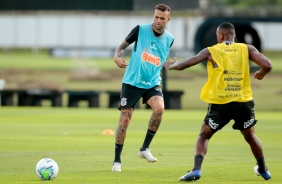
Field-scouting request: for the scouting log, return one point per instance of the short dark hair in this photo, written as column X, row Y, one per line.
column 162, row 7
column 226, row 25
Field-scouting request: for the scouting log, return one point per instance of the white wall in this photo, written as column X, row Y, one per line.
column 48, row 31
column 270, row 34
column 104, row 31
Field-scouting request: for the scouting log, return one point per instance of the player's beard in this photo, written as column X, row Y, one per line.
column 158, row 28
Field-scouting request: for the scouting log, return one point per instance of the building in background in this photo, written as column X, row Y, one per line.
column 98, row 26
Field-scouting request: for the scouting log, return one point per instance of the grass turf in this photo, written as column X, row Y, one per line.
column 73, row 138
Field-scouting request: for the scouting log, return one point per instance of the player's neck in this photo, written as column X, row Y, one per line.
column 160, row 31
column 227, row 42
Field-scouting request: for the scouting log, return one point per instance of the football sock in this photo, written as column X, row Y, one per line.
column 149, row 136
column 198, row 160
column 118, row 150
column 262, row 168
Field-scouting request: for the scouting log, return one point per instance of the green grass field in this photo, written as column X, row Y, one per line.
column 73, row 138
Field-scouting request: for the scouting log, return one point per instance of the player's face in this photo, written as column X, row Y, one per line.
column 160, row 20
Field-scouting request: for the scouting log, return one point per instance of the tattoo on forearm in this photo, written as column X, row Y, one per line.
column 124, row 45
column 121, row 49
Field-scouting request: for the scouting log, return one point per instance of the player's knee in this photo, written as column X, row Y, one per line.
column 160, row 110
column 125, row 116
column 249, row 134
column 250, row 137
column 124, row 121
column 206, row 132
column 204, row 135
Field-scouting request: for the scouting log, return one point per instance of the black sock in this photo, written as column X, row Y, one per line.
column 118, row 150
column 261, row 165
column 198, row 160
column 149, row 136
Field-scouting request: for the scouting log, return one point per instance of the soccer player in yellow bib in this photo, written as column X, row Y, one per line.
column 228, row 94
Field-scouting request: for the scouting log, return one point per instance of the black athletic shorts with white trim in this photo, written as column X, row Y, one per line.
column 219, row 115
column 130, row 95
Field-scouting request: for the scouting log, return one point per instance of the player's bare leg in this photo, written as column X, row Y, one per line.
column 157, row 105
column 257, row 151
column 124, row 121
column 203, row 140
column 201, row 150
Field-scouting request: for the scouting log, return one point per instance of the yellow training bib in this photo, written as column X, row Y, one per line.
column 230, row 80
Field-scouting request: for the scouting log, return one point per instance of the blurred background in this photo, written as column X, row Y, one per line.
column 59, row 53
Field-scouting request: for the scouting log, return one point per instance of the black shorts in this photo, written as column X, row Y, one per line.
column 130, row 95
column 242, row 113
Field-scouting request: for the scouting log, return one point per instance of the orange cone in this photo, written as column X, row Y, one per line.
column 108, row 132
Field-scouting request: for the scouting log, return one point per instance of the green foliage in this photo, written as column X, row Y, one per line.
column 251, row 3
column 73, row 138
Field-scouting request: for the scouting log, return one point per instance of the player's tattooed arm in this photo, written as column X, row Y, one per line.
column 119, row 51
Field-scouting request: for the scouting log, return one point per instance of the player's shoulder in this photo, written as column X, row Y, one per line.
column 251, row 48
column 238, row 43
column 144, row 25
column 169, row 33
column 244, row 46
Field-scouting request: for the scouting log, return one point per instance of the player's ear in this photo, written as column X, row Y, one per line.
column 221, row 37
column 168, row 19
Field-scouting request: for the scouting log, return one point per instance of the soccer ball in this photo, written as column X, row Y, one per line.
column 46, row 169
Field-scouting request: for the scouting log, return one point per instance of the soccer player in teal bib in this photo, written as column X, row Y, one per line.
column 152, row 43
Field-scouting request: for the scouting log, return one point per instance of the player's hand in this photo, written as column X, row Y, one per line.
column 168, row 63
column 120, row 62
column 258, row 75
